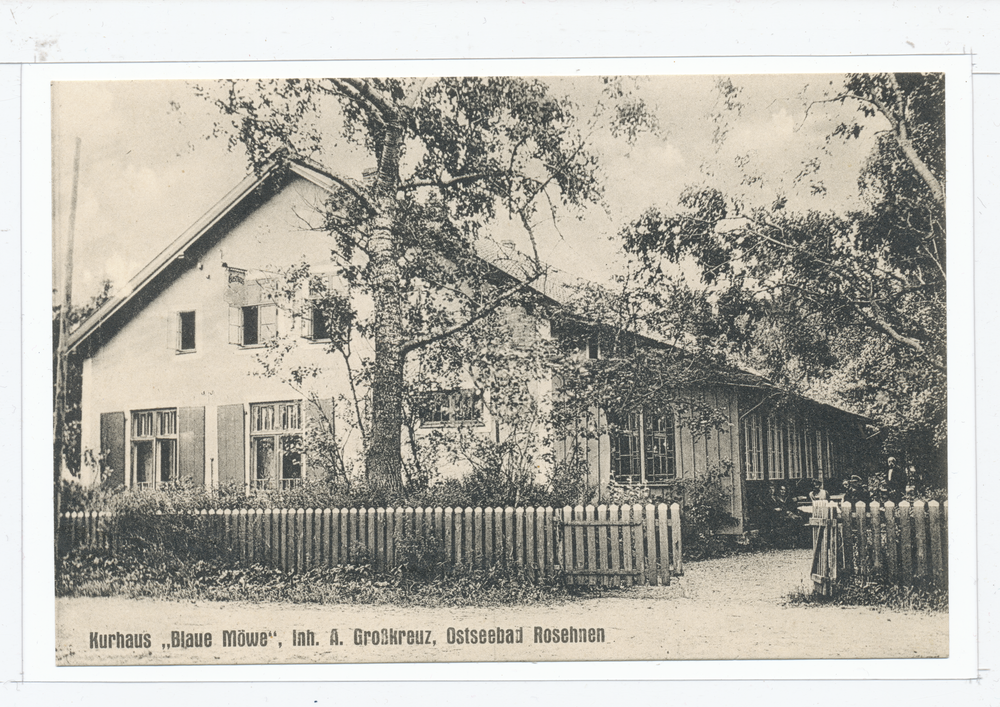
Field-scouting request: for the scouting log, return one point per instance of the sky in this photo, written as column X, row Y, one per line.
column 150, row 166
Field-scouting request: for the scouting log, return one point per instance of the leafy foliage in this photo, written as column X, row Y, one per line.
column 847, row 307
column 878, row 595
column 418, row 582
column 72, row 453
column 444, row 157
column 704, row 502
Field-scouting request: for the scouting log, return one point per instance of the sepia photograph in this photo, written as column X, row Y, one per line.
column 500, row 368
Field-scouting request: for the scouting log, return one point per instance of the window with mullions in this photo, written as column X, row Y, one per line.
column 275, row 445
column 451, row 408
column 154, row 448
column 643, row 448
column 779, row 450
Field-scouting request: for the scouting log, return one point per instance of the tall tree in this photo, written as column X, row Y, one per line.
column 857, row 296
column 442, row 158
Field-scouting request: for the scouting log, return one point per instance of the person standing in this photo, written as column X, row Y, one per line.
column 895, row 480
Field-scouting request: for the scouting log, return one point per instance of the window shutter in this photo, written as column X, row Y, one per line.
column 113, row 447
column 268, row 321
column 235, row 325
column 231, row 445
column 191, row 444
column 307, row 320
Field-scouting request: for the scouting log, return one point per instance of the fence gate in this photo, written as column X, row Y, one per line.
column 598, row 548
column 827, row 547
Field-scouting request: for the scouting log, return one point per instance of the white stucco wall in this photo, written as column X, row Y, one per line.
column 139, row 366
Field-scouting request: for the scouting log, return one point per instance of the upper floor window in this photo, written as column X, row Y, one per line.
column 253, row 315
column 451, row 408
column 315, row 325
column 253, row 325
column 275, row 445
column 186, row 331
column 154, row 447
column 315, row 321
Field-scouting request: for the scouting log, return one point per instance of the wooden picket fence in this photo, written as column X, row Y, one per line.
column 903, row 544
column 605, row 545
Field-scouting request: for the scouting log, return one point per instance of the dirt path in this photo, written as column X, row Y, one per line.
column 721, row 609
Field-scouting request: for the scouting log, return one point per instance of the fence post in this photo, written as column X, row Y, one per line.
column 564, row 549
column 891, row 541
column 602, row 546
column 625, row 512
column 479, row 547
column 944, row 536
column 650, row 539
column 920, row 525
column 906, row 542
column 449, row 544
column 876, row 539
column 675, row 513
column 530, row 555
column 862, row 541
column 937, row 557
column 381, row 546
column 488, row 520
column 550, row 541
column 663, row 544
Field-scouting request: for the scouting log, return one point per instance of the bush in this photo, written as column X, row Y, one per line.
column 704, row 504
column 422, row 580
column 880, row 595
column 479, row 488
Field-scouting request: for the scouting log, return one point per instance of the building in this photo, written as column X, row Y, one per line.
column 172, row 386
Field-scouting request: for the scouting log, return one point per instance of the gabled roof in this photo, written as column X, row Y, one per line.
column 553, row 283
column 556, row 285
column 180, row 246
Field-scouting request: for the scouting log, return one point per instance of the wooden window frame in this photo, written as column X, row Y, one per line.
column 451, row 408
column 181, row 348
column 237, row 324
column 642, row 431
column 279, row 422
column 314, row 311
column 156, row 428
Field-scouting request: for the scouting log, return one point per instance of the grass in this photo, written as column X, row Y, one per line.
column 100, row 574
column 878, row 595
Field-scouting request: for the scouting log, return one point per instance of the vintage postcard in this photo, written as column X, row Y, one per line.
column 514, row 363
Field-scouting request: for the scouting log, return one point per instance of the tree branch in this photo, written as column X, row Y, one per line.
column 885, row 327
column 443, row 182
column 488, row 309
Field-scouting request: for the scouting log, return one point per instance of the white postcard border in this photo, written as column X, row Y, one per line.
column 39, row 617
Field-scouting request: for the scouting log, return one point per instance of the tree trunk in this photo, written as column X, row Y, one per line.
column 383, row 464
column 384, row 461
